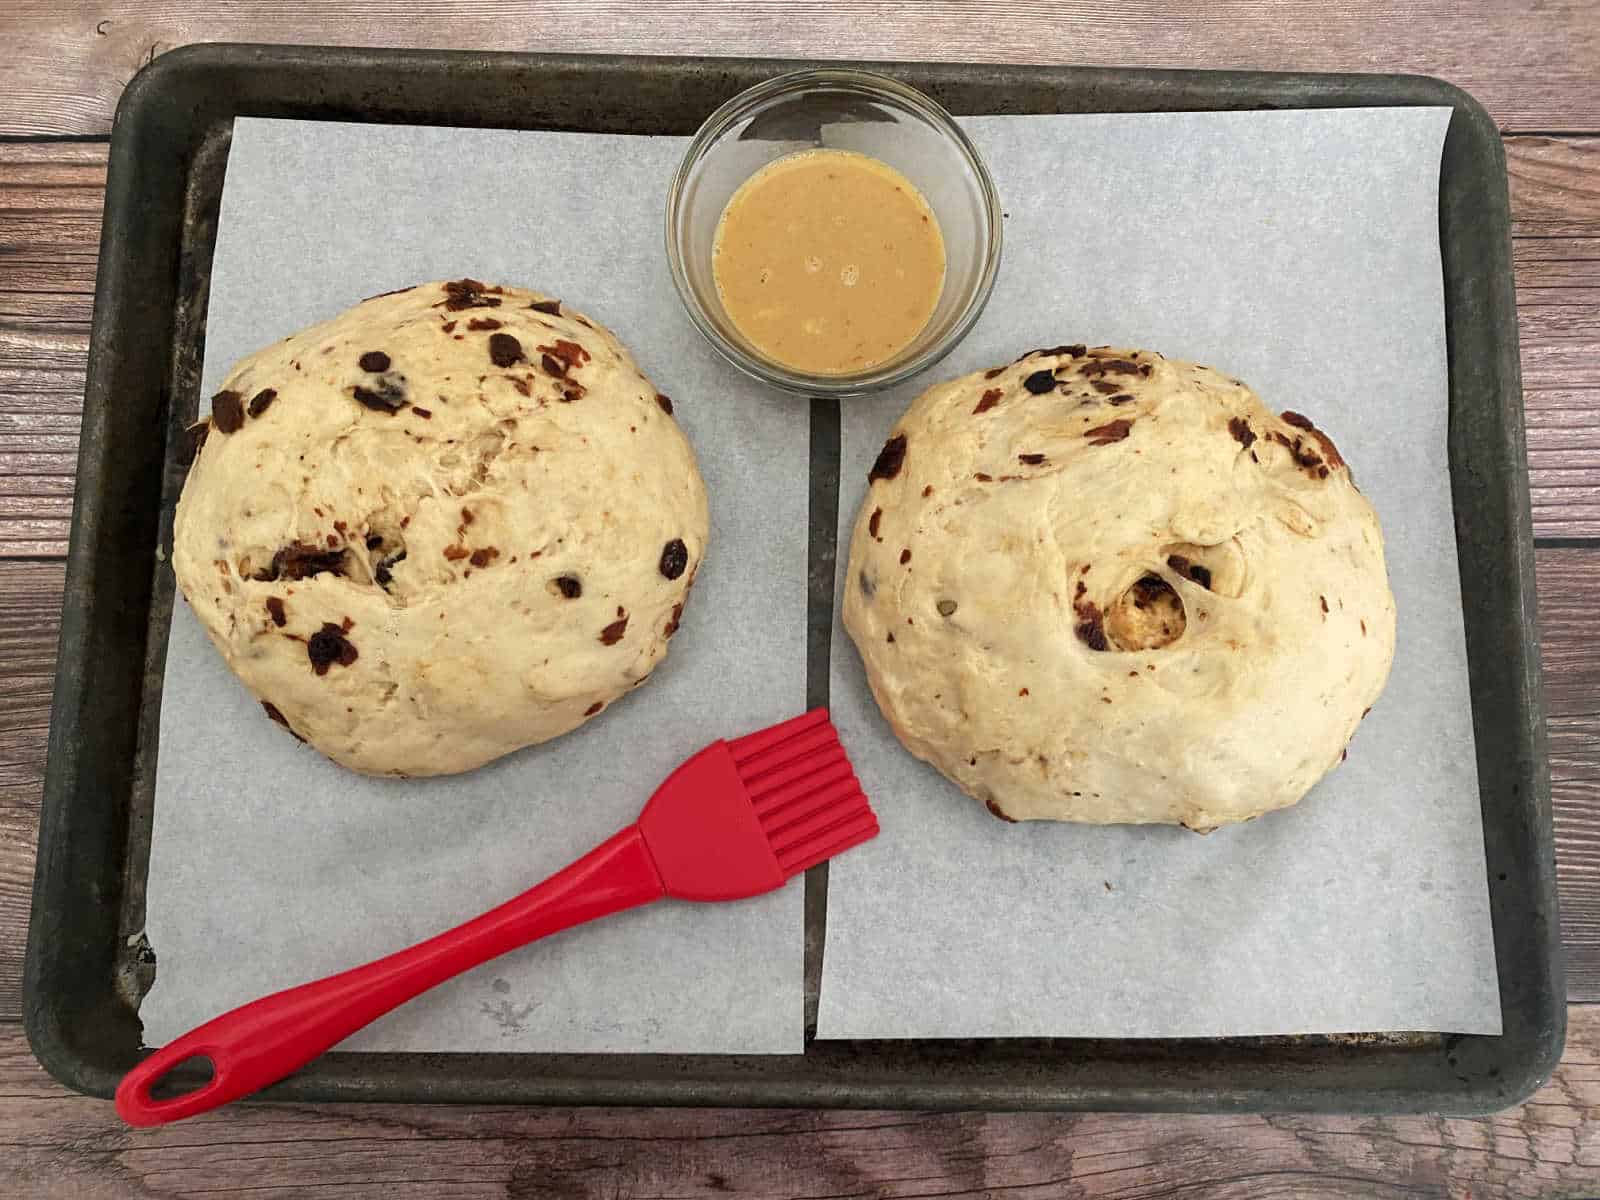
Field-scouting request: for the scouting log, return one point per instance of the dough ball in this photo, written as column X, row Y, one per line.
column 1097, row 585
column 451, row 522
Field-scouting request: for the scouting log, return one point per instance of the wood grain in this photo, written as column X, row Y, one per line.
column 1531, row 62
column 50, row 222
column 30, row 618
column 30, row 613
column 1555, row 192
column 1555, row 198
column 19, row 835
column 62, row 1145
column 1569, row 583
column 1555, row 185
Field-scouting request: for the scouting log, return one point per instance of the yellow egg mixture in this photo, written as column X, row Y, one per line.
column 828, row 261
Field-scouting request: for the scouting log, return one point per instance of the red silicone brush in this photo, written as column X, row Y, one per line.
column 738, row 819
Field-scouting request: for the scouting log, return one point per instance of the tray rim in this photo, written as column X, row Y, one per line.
column 1160, row 1075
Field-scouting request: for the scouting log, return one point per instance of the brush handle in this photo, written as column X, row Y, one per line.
column 267, row 1039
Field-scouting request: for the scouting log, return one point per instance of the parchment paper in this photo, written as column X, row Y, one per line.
column 1298, row 251
column 271, row 866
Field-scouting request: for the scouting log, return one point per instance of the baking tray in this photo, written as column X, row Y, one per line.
column 86, row 962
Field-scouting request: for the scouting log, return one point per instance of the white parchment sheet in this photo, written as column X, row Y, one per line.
column 1298, row 251
column 270, row 865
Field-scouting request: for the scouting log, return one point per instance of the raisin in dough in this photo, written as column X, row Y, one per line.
column 1097, row 585
column 451, row 522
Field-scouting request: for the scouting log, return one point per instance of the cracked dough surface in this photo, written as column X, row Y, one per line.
column 443, row 525
column 1098, row 585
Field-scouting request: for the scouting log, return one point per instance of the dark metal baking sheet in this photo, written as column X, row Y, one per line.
column 85, row 964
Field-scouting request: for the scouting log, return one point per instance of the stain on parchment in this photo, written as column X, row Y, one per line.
column 510, row 1017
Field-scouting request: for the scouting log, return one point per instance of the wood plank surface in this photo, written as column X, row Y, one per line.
column 30, row 618
column 1531, row 62
column 1535, row 64
column 1569, row 579
column 61, row 1144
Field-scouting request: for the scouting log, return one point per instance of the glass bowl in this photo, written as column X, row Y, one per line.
column 837, row 109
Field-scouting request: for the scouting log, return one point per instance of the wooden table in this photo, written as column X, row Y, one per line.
column 1534, row 63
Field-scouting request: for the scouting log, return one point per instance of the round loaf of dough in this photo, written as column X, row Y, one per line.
column 1097, row 585
column 451, row 522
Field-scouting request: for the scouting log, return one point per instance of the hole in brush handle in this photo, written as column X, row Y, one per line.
column 176, row 1081
column 183, row 1078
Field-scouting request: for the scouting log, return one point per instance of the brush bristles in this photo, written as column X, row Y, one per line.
column 748, row 747
column 804, row 792
column 782, row 807
column 863, row 827
column 774, row 790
